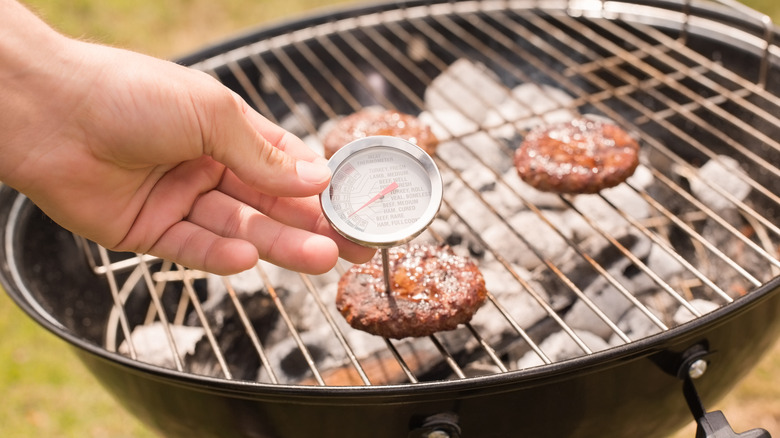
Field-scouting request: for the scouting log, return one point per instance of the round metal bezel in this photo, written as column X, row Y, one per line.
column 405, row 234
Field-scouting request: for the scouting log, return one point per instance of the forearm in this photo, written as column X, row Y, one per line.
column 34, row 65
column 22, row 32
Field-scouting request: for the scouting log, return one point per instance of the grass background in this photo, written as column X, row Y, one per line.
column 45, row 391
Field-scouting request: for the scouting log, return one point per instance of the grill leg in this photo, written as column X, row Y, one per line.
column 714, row 425
column 709, row 424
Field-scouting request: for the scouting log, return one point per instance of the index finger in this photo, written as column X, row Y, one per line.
column 304, row 213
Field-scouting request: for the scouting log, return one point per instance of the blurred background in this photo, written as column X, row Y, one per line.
column 45, row 390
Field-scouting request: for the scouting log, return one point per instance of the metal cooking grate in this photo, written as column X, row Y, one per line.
column 687, row 109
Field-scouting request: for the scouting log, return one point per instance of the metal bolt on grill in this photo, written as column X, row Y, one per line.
column 571, row 279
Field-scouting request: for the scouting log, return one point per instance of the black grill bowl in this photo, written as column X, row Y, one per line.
column 625, row 391
column 630, row 390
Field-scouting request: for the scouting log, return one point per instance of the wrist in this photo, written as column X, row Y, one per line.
column 34, row 61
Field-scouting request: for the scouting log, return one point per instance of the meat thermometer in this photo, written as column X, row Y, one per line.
column 384, row 191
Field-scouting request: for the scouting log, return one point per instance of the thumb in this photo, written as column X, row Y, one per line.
column 262, row 154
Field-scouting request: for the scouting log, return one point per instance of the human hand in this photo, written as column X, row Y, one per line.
column 139, row 154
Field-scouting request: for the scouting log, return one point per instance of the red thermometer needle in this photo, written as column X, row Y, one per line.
column 384, row 191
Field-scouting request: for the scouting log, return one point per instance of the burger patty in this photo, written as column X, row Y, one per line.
column 372, row 121
column 432, row 289
column 580, row 156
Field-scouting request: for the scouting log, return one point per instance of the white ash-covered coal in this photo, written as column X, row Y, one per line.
column 567, row 275
column 150, row 343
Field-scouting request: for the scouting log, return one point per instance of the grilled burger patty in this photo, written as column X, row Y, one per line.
column 432, row 289
column 580, row 156
column 373, row 121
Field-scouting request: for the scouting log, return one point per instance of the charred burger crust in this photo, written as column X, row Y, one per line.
column 433, row 289
column 580, row 156
column 373, row 121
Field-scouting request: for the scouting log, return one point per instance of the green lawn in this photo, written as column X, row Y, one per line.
column 167, row 28
column 45, row 391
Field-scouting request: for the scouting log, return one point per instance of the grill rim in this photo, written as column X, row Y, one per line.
column 570, row 368
column 707, row 9
column 260, row 32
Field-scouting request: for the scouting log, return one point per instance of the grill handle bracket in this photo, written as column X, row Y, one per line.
column 708, row 424
column 444, row 425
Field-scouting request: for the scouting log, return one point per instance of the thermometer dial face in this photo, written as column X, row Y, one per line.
column 384, row 191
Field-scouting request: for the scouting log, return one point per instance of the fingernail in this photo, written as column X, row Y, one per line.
column 312, row 172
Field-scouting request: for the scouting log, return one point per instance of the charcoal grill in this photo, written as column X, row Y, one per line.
column 696, row 82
